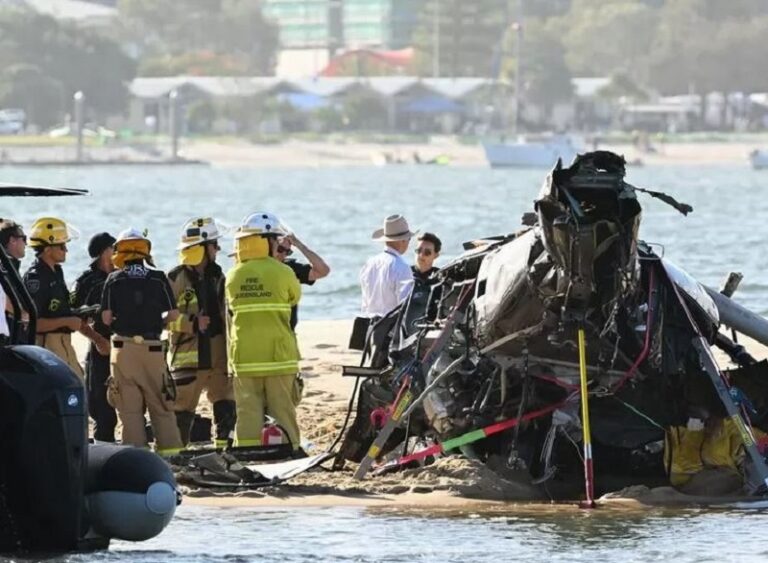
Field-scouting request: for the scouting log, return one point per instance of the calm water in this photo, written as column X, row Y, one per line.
column 200, row 534
column 335, row 211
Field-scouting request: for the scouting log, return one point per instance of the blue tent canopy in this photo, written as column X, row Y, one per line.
column 304, row 101
column 432, row 105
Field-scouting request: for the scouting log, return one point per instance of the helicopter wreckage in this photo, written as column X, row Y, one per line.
column 568, row 356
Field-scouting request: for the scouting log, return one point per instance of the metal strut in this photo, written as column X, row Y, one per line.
column 713, row 371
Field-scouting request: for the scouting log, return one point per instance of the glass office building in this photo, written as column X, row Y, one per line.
column 348, row 23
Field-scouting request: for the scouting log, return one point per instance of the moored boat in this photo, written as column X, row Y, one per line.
column 759, row 159
column 525, row 153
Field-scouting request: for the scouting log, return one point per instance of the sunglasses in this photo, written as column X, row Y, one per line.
column 284, row 250
column 22, row 237
column 424, row 251
column 60, row 247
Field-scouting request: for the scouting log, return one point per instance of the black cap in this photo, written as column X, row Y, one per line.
column 99, row 243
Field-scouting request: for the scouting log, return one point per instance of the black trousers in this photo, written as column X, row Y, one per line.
column 103, row 415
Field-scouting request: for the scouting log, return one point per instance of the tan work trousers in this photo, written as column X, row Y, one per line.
column 190, row 384
column 138, row 371
column 61, row 344
column 256, row 397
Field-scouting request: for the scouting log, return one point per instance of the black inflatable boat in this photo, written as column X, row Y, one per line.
column 59, row 493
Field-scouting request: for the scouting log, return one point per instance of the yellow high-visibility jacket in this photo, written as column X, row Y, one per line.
column 259, row 295
column 183, row 341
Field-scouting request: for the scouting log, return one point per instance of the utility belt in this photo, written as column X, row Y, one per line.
column 152, row 341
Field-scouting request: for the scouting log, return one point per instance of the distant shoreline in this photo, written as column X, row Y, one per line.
column 297, row 153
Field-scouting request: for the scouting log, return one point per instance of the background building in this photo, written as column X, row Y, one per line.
column 311, row 31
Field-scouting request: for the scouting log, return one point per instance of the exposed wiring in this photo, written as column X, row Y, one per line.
column 648, row 330
column 641, row 414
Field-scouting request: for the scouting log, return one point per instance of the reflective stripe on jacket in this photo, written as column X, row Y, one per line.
column 184, row 345
column 260, row 294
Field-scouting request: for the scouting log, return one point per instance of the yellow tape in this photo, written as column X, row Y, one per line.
column 402, row 405
column 746, row 436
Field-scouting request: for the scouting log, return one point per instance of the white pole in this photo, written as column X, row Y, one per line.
column 518, row 27
column 79, row 123
column 173, row 122
column 436, row 41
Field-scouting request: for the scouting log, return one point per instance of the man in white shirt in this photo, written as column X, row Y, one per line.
column 386, row 279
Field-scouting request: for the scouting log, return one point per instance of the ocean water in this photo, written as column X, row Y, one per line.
column 334, row 210
column 514, row 533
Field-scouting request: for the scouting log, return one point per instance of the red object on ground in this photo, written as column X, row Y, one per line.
column 271, row 435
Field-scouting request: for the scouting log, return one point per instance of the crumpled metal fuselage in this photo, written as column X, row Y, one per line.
column 580, row 265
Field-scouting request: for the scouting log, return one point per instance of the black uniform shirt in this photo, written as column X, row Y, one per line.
column 302, row 274
column 427, row 276
column 88, row 289
column 137, row 296
column 422, row 301
column 49, row 291
column 212, row 304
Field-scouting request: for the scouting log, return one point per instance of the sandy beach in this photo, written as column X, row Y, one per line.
column 452, row 482
column 240, row 152
column 303, row 153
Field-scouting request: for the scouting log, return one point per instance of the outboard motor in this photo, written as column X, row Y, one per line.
column 43, row 439
column 57, row 492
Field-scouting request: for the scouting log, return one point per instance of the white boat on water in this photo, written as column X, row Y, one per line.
column 531, row 154
column 759, row 159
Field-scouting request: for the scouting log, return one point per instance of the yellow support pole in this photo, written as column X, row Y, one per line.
column 589, row 476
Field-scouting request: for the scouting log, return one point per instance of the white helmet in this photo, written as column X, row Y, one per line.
column 261, row 224
column 199, row 230
column 131, row 234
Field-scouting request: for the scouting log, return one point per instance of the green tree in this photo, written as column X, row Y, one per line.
column 605, row 37
column 199, row 63
column 234, row 30
column 542, row 8
column 467, row 35
column 718, row 10
column 25, row 86
column 546, row 78
column 696, row 47
column 55, row 60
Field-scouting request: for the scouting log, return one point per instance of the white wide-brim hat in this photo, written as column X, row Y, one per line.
column 395, row 228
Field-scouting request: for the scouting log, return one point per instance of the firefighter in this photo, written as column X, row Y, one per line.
column 136, row 304
column 198, row 348
column 45, row 282
column 263, row 353
column 87, row 292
